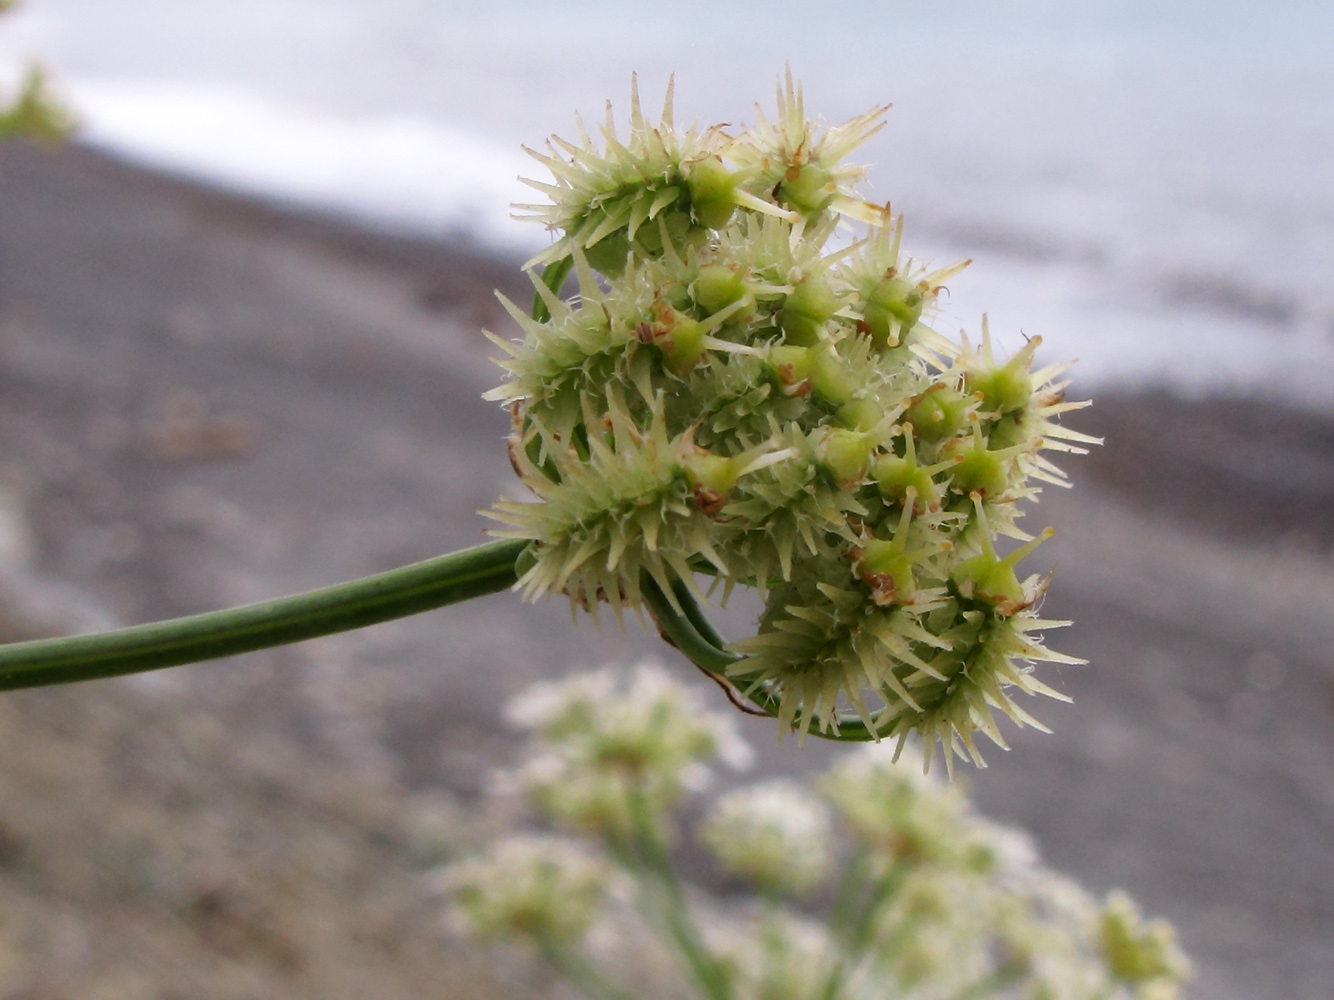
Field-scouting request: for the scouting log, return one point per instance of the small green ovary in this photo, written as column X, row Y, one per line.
column 892, row 309
column 939, row 413
column 1004, row 389
column 717, row 286
column 711, row 187
column 806, row 310
column 807, row 188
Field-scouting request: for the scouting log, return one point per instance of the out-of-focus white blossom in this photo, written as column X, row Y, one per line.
column 780, row 956
column 1141, row 953
column 775, row 833
column 899, row 811
column 933, row 902
column 611, row 739
column 544, row 888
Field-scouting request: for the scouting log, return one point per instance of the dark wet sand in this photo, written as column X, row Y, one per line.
column 206, row 401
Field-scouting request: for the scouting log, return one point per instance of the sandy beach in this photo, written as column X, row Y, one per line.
column 206, row 400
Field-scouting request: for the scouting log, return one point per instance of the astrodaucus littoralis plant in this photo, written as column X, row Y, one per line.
column 727, row 398
column 725, row 401
column 874, row 881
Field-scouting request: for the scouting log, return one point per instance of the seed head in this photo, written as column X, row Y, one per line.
column 730, row 396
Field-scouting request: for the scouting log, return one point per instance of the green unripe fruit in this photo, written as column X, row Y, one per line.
column 790, row 365
column 683, row 346
column 986, row 578
column 859, row 414
column 1009, row 431
column 1004, row 389
column 809, row 189
column 682, row 232
column 990, row 579
column 938, row 414
column 806, row 310
column 678, row 336
column 887, row 571
column 607, row 255
column 892, row 309
column 894, row 476
column 717, row 286
column 830, row 379
column 975, row 469
column 706, row 470
column 845, row 454
column 711, row 477
column 711, row 186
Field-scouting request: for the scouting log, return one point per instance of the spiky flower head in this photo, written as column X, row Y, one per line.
column 731, row 396
column 799, row 164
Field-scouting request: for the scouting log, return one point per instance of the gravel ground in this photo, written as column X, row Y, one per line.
column 207, row 401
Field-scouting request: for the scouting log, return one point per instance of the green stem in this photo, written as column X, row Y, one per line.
column 408, row 590
column 686, row 628
column 708, row 655
column 856, row 933
column 579, row 971
column 999, row 980
column 654, row 861
column 843, row 912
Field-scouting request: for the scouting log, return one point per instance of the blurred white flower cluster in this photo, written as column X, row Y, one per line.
column 728, row 396
column 611, row 741
column 547, row 887
column 877, row 881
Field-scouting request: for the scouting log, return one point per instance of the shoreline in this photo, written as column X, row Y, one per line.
column 1234, row 465
column 210, row 399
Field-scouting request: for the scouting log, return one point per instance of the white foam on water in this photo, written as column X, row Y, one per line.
column 402, row 170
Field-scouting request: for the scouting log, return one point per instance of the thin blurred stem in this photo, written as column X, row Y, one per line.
column 1003, row 978
column 842, row 915
column 883, row 890
column 675, row 911
column 856, row 933
column 581, row 972
column 407, row 590
column 771, row 932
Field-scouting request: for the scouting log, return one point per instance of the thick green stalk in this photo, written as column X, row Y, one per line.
column 408, row 590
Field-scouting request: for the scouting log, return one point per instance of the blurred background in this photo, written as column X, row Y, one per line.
column 240, row 355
